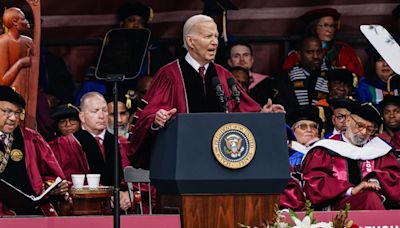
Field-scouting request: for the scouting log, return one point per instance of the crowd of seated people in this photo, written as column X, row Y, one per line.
column 346, row 124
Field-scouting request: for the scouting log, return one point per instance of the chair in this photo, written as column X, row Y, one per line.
column 133, row 175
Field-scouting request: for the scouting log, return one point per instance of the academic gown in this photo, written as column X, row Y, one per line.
column 41, row 166
column 169, row 90
column 292, row 196
column 331, row 167
column 80, row 153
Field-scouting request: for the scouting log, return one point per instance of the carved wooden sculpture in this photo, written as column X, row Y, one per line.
column 19, row 58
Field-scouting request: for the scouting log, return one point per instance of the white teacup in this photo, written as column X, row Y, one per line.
column 78, row 180
column 93, row 180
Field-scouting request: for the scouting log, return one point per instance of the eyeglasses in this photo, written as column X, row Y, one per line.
column 341, row 117
column 10, row 112
column 327, row 26
column 64, row 122
column 369, row 129
column 304, row 126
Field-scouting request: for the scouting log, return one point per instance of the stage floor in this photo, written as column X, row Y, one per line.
column 127, row 221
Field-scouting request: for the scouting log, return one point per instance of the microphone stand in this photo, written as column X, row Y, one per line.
column 115, row 78
column 226, row 105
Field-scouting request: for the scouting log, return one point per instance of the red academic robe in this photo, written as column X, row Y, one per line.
column 326, row 174
column 72, row 158
column 293, row 196
column 41, row 166
column 167, row 91
column 70, row 155
column 345, row 58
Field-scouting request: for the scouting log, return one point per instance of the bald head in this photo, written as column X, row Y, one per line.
column 10, row 15
column 14, row 19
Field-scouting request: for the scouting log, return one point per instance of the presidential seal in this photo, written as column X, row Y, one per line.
column 234, row 145
column 16, row 155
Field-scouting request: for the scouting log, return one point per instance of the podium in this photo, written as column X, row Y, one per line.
column 191, row 181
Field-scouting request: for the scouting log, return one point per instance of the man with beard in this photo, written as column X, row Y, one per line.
column 187, row 85
column 390, row 107
column 123, row 118
column 304, row 83
column 352, row 168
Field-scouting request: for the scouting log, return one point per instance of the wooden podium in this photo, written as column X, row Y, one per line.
column 192, row 182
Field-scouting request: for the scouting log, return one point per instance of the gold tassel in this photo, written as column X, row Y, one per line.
column 323, row 118
column 388, row 82
column 151, row 16
column 128, row 101
column 355, row 80
column 69, row 105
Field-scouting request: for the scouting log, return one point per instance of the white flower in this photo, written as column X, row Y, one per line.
column 306, row 223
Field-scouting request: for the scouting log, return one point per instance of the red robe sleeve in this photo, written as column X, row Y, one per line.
column 70, row 155
column 348, row 58
column 292, row 59
column 164, row 93
column 41, row 163
column 387, row 171
column 395, row 141
column 320, row 185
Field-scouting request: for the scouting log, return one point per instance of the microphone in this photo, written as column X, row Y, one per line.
column 218, row 89
column 235, row 91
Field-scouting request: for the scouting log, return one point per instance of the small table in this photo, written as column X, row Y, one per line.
column 91, row 201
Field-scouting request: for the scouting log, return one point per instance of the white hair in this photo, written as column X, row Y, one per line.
column 190, row 23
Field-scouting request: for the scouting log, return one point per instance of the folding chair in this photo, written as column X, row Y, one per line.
column 133, row 175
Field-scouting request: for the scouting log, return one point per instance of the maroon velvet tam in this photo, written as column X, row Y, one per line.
column 318, row 13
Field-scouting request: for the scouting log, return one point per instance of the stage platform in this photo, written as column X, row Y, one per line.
column 127, row 221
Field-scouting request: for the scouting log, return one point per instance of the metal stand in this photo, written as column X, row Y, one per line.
column 115, row 78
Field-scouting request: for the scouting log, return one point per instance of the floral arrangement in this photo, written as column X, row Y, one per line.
column 339, row 221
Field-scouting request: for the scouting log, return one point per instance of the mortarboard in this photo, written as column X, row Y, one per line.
column 65, row 111
column 304, row 113
column 318, row 13
column 389, row 100
column 127, row 9
column 342, row 75
column 219, row 8
column 368, row 112
column 341, row 102
column 9, row 94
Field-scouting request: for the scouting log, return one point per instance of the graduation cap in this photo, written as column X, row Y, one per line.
column 128, row 98
column 9, row 94
column 368, row 112
column 65, row 111
column 342, row 102
column 389, row 100
column 219, row 8
column 128, row 9
column 342, row 75
column 318, row 13
column 304, row 113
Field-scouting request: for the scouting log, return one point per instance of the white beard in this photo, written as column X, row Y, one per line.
column 357, row 140
column 122, row 130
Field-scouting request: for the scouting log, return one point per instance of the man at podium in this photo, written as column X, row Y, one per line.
column 190, row 84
